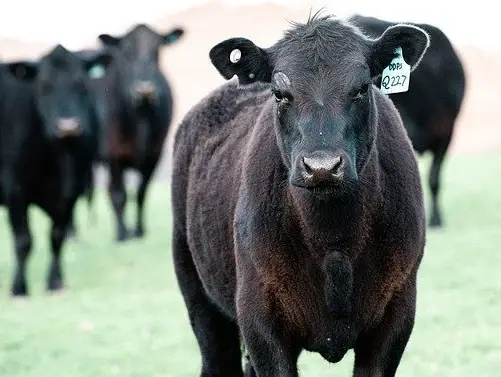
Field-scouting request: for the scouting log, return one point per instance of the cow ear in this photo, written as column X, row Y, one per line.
column 241, row 57
column 97, row 66
column 109, row 40
column 413, row 40
column 172, row 36
column 23, row 70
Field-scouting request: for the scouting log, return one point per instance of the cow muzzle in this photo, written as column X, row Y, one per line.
column 68, row 127
column 144, row 92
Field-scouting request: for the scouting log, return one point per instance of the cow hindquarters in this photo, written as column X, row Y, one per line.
column 379, row 350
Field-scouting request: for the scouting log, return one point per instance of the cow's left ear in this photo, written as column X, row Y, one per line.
column 172, row 36
column 241, row 57
column 413, row 40
column 97, row 66
column 23, row 70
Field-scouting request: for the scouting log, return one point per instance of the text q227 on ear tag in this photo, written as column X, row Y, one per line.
column 235, row 56
column 396, row 75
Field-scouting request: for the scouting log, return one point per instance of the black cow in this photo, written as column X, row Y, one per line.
column 138, row 114
column 431, row 106
column 298, row 208
column 48, row 139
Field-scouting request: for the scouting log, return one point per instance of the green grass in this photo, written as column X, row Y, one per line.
column 122, row 314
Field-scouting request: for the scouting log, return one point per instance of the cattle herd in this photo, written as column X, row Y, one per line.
column 297, row 206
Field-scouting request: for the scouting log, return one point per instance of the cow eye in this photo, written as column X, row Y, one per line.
column 360, row 93
column 281, row 97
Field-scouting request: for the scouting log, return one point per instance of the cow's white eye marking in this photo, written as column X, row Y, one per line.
column 235, row 56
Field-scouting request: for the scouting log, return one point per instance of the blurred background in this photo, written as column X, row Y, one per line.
column 123, row 315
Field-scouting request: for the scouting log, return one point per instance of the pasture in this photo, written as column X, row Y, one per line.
column 122, row 313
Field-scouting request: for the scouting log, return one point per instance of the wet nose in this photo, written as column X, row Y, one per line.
column 323, row 167
column 144, row 89
column 69, row 126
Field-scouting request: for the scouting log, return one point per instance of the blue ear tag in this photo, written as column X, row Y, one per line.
column 97, row 72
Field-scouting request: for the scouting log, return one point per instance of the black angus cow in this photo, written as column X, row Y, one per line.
column 138, row 114
column 431, row 106
column 48, row 139
column 298, row 216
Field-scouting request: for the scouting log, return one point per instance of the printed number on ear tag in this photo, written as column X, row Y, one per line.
column 396, row 76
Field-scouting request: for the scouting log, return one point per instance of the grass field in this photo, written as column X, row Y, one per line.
column 122, row 314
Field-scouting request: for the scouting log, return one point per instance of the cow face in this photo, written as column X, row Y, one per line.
column 323, row 101
column 63, row 97
column 137, row 59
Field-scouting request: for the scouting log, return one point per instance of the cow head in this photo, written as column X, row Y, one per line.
column 320, row 77
column 62, row 93
column 137, row 59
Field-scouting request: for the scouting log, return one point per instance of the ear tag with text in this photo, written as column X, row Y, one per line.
column 396, row 75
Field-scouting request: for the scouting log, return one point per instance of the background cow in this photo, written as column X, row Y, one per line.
column 48, row 136
column 431, row 106
column 298, row 210
column 138, row 114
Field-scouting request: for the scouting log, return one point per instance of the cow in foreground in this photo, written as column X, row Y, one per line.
column 48, row 136
column 431, row 106
column 298, row 217
column 138, row 114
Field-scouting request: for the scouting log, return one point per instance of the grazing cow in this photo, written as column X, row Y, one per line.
column 430, row 108
column 298, row 216
column 139, row 112
column 48, row 139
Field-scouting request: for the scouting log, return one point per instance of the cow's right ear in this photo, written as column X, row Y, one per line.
column 23, row 70
column 241, row 57
column 109, row 40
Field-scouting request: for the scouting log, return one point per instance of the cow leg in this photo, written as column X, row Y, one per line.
column 378, row 352
column 60, row 213
column 272, row 350
column 18, row 217
column 434, row 182
column 217, row 336
column 270, row 355
column 118, row 198
column 146, row 172
column 70, row 229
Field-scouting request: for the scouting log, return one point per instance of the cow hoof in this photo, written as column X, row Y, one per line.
column 55, row 286
column 139, row 233
column 19, row 291
column 125, row 236
column 435, row 222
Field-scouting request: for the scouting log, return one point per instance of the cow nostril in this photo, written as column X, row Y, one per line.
column 325, row 164
column 307, row 166
column 337, row 165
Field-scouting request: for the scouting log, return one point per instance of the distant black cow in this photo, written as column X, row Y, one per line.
column 298, row 209
column 48, row 139
column 138, row 114
column 430, row 108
